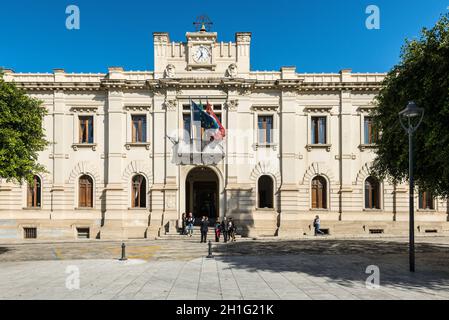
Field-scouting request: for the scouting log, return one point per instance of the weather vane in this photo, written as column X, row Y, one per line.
column 203, row 23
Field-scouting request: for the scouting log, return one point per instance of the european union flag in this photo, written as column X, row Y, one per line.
column 199, row 115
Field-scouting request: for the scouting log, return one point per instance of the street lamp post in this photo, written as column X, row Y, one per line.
column 411, row 111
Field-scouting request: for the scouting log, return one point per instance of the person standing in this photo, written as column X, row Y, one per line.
column 224, row 229
column 231, row 229
column 204, row 229
column 316, row 225
column 184, row 221
column 217, row 231
column 190, row 222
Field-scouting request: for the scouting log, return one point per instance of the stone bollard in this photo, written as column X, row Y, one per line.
column 123, row 258
column 210, row 256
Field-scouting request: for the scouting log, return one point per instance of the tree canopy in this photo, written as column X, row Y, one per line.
column 21, row 133
column 422, row 76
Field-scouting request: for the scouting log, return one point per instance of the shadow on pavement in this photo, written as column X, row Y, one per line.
column 344, row 261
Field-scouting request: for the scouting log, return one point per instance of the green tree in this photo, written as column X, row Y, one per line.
column 21, row 133
column 422, row 75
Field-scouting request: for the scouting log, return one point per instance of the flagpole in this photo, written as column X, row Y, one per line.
column 191, row 129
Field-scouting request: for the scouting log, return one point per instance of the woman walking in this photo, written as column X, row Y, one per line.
column 190, row 222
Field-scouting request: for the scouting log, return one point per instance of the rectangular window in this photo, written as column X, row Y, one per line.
column 426, row 200
column 30, row 233
column 186, row 119
column 370, row 135
column 265, row 126
column 86, row 129
column 319, row 130
column 139, row 128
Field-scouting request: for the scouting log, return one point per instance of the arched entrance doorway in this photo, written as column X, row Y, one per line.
column 202, row 194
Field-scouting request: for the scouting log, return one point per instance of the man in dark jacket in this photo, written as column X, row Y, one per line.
column 224, row 229
column 204, row 229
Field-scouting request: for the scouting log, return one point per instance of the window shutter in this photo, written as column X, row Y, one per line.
column 133, row 130
column 144, row 129
column 319, row 195
column 82, row 193
column 81, row 130
column 30, row 196
column 91, row 129
column 89, row 194
column 314, row 195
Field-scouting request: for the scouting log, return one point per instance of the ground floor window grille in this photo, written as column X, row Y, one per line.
column 83, row 233
column 30, row 233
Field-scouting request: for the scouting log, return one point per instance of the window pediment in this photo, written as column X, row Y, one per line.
column 137, row 107
column 265, row 107
column 318, row 109
column 84, row 109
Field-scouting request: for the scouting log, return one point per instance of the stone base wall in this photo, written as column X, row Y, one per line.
column 259, row 223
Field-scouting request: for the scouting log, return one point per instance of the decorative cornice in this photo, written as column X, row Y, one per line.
column 366, row 108
column 318, row 109
column 243, row 86
column 137, row 107
column 265, row 107
column 84, row 109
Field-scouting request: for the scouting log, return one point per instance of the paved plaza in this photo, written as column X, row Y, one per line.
column 305, row 269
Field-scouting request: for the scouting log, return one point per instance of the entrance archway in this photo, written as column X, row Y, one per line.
column 202, row 194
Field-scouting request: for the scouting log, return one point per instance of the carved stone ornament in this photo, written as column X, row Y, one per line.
column 170, row 105
column 170, row 72
column 232, row 71
column 232, row 105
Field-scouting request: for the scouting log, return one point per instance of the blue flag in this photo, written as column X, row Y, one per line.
column 199, row 115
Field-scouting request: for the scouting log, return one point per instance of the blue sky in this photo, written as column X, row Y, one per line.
column 315, row 36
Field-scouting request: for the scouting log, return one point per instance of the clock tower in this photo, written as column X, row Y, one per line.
column 201, row 55
column 200, row 50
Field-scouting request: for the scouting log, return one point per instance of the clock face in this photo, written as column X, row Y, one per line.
column 201, row 54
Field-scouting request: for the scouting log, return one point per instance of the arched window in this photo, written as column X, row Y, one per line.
column 372, row 200
column 34, row 193
column 139, row 191
column 319, row 193
column 265, row 190
column 86, row 192
column 426, row 200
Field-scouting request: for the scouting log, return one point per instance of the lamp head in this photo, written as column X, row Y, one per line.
column 411, row 111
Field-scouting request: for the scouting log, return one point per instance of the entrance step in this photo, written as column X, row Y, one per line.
column 196, row 235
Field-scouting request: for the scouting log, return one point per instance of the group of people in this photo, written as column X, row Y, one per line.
column 226, row 228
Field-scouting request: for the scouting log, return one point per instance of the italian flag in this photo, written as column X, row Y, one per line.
column 220, row 130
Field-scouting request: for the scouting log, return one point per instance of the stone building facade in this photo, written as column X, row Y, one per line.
column 120, row 166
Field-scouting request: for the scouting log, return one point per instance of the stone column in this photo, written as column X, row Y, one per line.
column 112, row 199
column 157, row 192
column 346, row 144
column 58, row 201
column 171, row 215
column 290, row 223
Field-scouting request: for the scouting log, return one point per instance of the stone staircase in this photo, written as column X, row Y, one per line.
column 196, row 235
